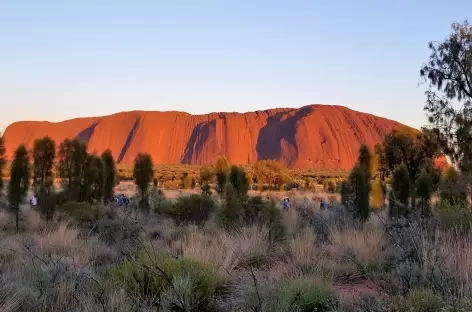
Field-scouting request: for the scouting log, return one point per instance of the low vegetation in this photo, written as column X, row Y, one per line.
column 384, row 246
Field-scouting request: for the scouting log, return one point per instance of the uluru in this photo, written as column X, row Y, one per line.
column 311, row 137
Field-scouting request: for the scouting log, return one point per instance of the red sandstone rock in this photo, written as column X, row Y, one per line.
column 315, row 136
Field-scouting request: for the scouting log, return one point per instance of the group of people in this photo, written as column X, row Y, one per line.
column 121, row 200
column 286, row 204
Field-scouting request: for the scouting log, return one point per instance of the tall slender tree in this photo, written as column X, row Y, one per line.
column 93, row 178
column 239, row 180
column 222, row 169
column 400, row 192
column 19, row 182
column 109, row 169
column 44, row 152
column 143, row 173
column 355, row 192
column 71, row 166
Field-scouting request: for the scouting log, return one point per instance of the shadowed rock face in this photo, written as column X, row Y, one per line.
column 315, row 136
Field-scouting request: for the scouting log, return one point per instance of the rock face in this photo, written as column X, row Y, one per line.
column 315, row 136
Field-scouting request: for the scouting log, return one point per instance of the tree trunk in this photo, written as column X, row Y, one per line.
column 17, row 217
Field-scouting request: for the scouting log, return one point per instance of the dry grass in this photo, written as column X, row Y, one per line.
column 453, row 256
column 224, row 251
column 301, row 256
column 365, row 244
column 303, row 248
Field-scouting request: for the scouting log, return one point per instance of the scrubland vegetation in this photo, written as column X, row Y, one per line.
column 384, row 246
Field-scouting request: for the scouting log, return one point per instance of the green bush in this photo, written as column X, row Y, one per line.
column 150, row 275
column 453, row 216
column 423, row 300
column 230, row 216
column 257, row 211
column 306, row 296
column 84, row 214
column 194, row 208
column 114, row 231
column 255, row 261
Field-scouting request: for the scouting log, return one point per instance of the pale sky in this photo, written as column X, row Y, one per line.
column 64, row 59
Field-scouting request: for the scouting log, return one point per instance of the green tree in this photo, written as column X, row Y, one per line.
column 109, row 168
column 239, row 180
column 206, row 176
column 143, row 173
column 424, row 188
column 2, row 163
column 19, row 182
column 230, row 216
column 44, row 152
column 93, row 178
column 415, row 149
column 355, row 192
column 448, row 74
column 72, row 158
column 400, row 192
column 221, row 171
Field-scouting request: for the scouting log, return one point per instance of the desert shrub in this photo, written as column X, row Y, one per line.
column 254, row 261
column 453, row 186
column 171, row 185
column 330, row 186
column 230, row 215
column 184, row 296
column 194, row 208
column 423, row 300
column 149, row 276
column 84, row 214
column 159, row 203
column 305, row 296
column 455, row 216
column 365, row 303
column 116, row 231
column 257, row 211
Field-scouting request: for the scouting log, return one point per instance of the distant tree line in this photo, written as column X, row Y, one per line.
column 85, row 177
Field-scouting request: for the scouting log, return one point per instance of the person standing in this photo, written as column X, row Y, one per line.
column 285, row 203
column 34, row 200
column 306, row 203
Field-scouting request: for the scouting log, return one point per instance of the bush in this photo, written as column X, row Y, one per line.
column 257, row 211
column 455, row 216
column 171, row 185
column 84, row 214
column 306, row 296
column 113, row 231
column 423, row 300
column 400, row 192
column 149, row 276
column 230, row 216
column 194, row 208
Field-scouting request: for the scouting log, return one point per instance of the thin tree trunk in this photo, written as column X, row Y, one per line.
column 17, row 217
